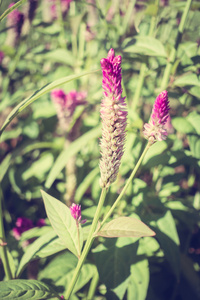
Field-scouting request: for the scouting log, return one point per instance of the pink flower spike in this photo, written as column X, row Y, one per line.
column 156, row 129
column 114, row 115
column 76, row 213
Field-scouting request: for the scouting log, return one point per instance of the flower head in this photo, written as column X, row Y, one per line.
column 76, row 213
column 156, row 129
column 114, row 115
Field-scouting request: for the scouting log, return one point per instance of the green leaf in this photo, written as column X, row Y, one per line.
column 61, row 268
column 194, row 143
column 138, row 281
column 155, row 155
column 25, row 289
column 144, row 45
column 42, row 91
column 65, row 155
column 113, row 260
column 39, row 168
column 125, row 227
column 187, row 79
column 167, row 236
column 44, row 246
column 183, row 125
column 63, row 223
column 194, row 119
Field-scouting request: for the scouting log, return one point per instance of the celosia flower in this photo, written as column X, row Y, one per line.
column 66, row 104
column 156, row 129
column 76, row 213
column 114, row 119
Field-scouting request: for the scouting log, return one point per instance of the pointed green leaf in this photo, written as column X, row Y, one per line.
column 63, row 223
column 25, row 289
column 125, row 227
column 167, row 236
column 144, row 45
column 46, row 245
column 65, row 155
column 45, row 89
column 113, row 260
column 138, row 281
column 10, row 9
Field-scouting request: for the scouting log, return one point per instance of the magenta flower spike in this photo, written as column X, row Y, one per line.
column 114, row 119
column 76, row 213
column 156, row 129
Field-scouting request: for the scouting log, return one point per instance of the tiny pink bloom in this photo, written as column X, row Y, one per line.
column 156, row 130
column 76, row 213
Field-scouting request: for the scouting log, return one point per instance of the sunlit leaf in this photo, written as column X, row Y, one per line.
column 63, row 223
column 125, row 227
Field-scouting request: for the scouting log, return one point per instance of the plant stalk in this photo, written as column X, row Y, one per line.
column 126, row 186
column 172, row 57
column 88, row 244
column 143, row 66
column 3, row 247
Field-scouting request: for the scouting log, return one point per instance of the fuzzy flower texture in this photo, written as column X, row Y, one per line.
column 156, row 129
column 75, row 210
column 114, row 119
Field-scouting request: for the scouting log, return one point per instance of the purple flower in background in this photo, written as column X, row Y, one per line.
column 76, row 213
column 15, row 22
column 65, row 4
column 66, row 104
column 1, row 56
column 156, row 129
column 23, row 224
column 114, row 119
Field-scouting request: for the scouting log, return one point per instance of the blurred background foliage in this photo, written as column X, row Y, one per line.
column 34, row 154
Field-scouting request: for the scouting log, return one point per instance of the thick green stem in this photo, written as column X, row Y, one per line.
column 127, row 184
column 3, row 250
column 173, row 52
column 88, row 244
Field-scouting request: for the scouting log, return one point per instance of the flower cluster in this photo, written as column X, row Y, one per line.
column 114, row 119
column 76, row 213
column 66, row 104
column 156, row 129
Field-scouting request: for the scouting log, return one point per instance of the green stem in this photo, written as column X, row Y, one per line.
column 62, row 28
column 126, row 186
column 173, row 52
column 88, row 244
column 3, row 247
column 143, row 65
column 93, row 286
